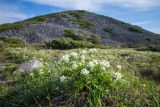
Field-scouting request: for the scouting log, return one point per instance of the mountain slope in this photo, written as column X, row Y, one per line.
column 85, row 23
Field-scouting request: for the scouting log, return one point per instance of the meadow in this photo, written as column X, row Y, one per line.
column 121, row 77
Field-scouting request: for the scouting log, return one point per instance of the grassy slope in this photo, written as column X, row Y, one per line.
column 133, row 89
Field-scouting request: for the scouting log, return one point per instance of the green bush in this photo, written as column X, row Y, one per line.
column 109, row 30
column 77, row 14
column 153, row 48
column 70, row 34
column 68, row 43
column 84, row 23
column 5, row 27
column 95, row 39
column 11, row 42
column 135, row 29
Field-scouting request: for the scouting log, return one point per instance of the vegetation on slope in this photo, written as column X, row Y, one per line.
column 8, row 26
column 135, row 29
column 84, row 77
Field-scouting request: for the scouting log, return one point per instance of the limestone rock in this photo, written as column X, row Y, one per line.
column 28, row 67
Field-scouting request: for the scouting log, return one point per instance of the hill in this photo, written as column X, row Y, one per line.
column 83, row 23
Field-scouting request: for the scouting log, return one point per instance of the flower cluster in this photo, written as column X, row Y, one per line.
column 82, row 62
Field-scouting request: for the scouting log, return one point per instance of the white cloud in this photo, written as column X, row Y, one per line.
column 10, row 13
column 143, row 22
column 95, row 5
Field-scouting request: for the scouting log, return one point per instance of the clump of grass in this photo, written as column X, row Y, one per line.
column 5, row 27
column 135, row 29
column 11, row 42
column 109, row 30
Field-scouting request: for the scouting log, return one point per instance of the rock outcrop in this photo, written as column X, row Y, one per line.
column 28, row 67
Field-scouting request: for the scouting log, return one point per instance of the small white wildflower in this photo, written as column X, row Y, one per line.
column 63, row 78
column 119, row 67
column 65, row 58
column 31, row 74
column 104, row 63
column 74, row 54
column 83, row 57
column 95, row 61
column 49, row 71
column 74, row 66
column 91, row 64
column 93, row 50
column 84, row 71
column 118, row 75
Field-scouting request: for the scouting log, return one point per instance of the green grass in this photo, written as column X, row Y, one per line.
column 109, row 30
column 135, row 29
column 83, row 77
column 5, row 27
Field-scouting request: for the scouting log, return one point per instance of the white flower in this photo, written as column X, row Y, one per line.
column 93, row 50
column 119, row 67
column 118, row 75
column 31, row 74
column 83, row 57
column 65, row 58
column 74, row 66
column 91, row 64
column 104, row 63
column 74, row 54
column 49, row 71
column 95, row 61
column 84, row 71
column 63, row 78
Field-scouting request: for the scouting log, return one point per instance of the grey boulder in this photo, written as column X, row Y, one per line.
column 28, row 67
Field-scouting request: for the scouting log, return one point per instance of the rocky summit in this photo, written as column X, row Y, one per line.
column 47, row 27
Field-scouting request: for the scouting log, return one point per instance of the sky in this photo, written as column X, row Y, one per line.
column 144, row 13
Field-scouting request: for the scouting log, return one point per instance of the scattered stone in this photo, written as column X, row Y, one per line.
column 28, row 67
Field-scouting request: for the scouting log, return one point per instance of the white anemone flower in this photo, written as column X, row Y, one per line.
column 83, row 57
column 104, row 63
column 84, row 71
column 118, row 75
column 63, row 78
column 119, row 67
column 74, row 54
column 93, row 50
column 91, row 64
column 31, row 74
column 74, row 66
column 95, row 62
column 65, row 58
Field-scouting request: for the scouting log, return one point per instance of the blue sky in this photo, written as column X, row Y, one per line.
column 144, row 13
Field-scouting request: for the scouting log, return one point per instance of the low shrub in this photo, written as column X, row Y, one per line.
column 11, row 42
column 84, row 23
column 69, row 43
column 95, row 39
column 109, row 30
column 153, row 48
column 9, row 26
column 135, row 29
